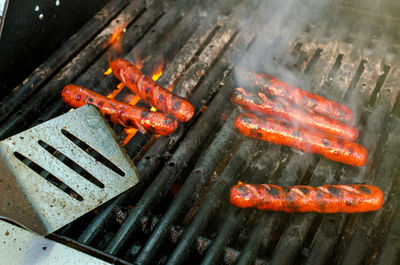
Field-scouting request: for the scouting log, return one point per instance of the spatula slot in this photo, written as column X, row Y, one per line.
column 92, row 152
column 71, row 164
column 48, row 176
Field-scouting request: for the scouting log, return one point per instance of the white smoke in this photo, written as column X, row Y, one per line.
column 281, row 23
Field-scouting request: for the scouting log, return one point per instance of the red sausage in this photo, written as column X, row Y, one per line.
column 282, row 108
column 322, row 199
column 275, row 87
column 280, row 132
column 118, row 112
column 148, row 90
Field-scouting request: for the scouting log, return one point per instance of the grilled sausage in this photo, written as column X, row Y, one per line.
column 148, row 90
column 118, row 112
column 281, row 107
column 281, row 132
column 322, row 199
column 275, row 87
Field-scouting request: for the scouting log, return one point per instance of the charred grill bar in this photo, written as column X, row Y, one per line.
column 179, row 213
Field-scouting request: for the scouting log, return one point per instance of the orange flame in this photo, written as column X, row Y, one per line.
column 138, row 60
column 139, row 64
column 115, row 92
column 108, row 71
column 130, row 132
column 135, row 100
column 115, row 42
column 116, row 37
column 158, row 72
column 156, row 75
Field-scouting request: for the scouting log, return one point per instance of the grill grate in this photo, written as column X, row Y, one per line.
column 179, row 212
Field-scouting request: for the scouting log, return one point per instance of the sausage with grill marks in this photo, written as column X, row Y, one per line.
column 281, row 132
column 282, row 108
column 275, row 87
column 321, row 199
column 118, row 112
column 152, row 93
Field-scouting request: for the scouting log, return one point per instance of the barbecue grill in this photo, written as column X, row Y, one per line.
column 179, row 212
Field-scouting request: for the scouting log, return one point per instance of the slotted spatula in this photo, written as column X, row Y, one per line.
column 59, row 170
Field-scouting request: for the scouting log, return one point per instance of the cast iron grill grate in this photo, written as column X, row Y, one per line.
column 179, row 212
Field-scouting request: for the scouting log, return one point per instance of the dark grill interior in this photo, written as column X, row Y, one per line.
column 180, row 212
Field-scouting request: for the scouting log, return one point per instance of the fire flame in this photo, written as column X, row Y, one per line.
column 115, row 92
column 116, row 37
column 115, row 43
column 130, row 132
column 138, row 60
column 157, row 75
column 108, row 71
column 158, row 72
column 135, row 100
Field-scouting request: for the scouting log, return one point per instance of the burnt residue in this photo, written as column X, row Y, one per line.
column 304, row 190
column 176, row 105
column 145, row 113
column 334, row 191
column 326, row 142
column 364, row 189
column 273, row 191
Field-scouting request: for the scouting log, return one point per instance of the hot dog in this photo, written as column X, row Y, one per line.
column 282, row 108
column 118, row 112
column 322, row 199
column 275, row 87
column 148, row 90
column 281, row 132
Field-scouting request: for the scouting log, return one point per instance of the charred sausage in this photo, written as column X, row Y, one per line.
column 118, row 112
column 152, row 93
column 275, row 87
column 281, row 132
column 281, row 107
column 322, row 199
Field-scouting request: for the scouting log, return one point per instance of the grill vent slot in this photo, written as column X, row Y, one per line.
column 379, row 83
column 71, row 164
column 48, row 176
column 96, row 155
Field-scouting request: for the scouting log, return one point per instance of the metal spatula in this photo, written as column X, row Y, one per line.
column 19, row 246
column 57, row 171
